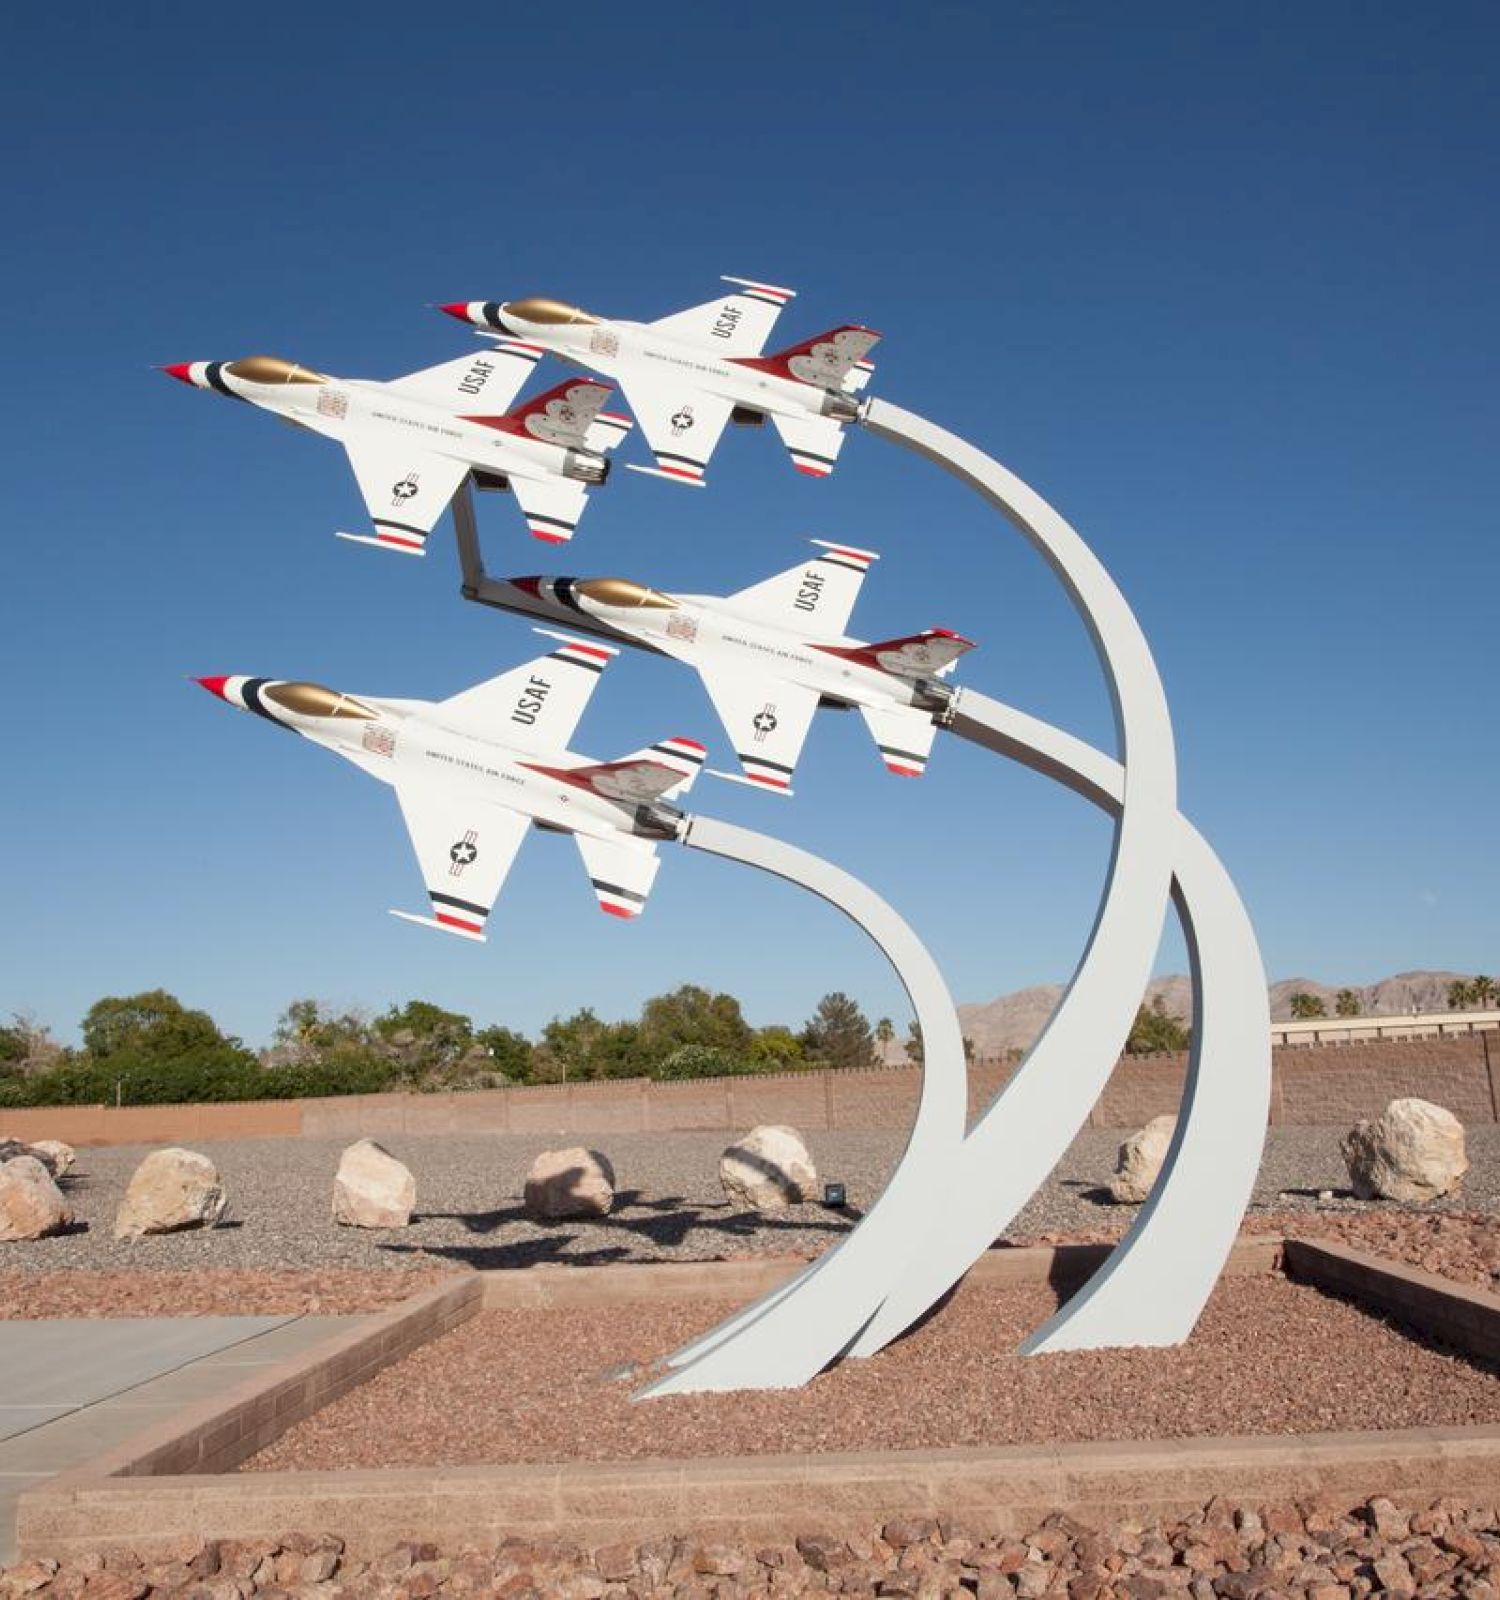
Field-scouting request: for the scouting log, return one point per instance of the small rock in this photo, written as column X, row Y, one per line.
column 822, row 1551
column 171, row 1189
column 617, row 1562
column 718, row 1560
column 768, row 1169
column 57, row 1155
column 1413, row 1152
column 570, row 1183
column 1394, row 1574
column 1140, row 1161
column 909, row 1530
column 31, row 1204
column 372, row 1189
column 319, row 1567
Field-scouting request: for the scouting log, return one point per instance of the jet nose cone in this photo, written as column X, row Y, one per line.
column 182, row 371
column 214, row 685
column 459, row 309
column 531, row 586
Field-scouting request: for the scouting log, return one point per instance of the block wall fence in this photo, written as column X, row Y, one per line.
column 1333, row 1084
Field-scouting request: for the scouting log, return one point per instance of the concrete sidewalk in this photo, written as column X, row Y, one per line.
column 71, row 1389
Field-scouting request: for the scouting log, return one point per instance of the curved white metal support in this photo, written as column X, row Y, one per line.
column 894, row 1225
column 855, row 1299
column 1153, row 1286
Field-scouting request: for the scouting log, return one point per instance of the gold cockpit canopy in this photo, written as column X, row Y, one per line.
column 623, row 593
column 540, row 309
column 272, row 369
column 313, row 700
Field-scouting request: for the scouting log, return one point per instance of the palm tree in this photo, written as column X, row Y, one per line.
column 1482, row 991
column 885, row 1031
column 1460, row 994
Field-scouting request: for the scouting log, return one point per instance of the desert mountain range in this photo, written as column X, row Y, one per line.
column 1014, row 1020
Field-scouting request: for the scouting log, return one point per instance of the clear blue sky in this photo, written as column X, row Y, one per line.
column 1218, row 281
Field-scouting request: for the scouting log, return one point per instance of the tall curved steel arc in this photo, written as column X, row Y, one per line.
column 1152, row 1288
column 897, row 1263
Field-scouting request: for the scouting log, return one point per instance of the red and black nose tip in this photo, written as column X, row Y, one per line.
column 478, row 313
column 531, row 586
column 214, row 685
column 182, row 371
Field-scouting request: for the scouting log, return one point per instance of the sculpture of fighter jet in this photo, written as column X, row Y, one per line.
column 413, row 441
column 687, row 375
column 473, row 773
column 770, row 655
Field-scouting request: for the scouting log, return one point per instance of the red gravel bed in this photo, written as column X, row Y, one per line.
column 1461, row 1245
column 1268, row 1356
column 32, row 1295
column 1309, row 1549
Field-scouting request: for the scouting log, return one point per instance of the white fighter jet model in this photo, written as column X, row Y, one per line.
column 687, row 375
column 413, row 441
column 771, row 654
column 473, row 773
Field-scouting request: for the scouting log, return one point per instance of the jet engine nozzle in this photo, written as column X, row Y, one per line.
column 840, row 406
column 586, row 466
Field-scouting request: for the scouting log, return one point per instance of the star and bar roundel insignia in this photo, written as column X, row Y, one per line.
column 405, row 489
column 462, row 853
column 764, row 722
column 682, row 420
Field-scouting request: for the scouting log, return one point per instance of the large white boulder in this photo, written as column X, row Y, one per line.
column 56, row 1155
column 1413, row 1151
column 171, row 1189
column 372, row 1189
column 31, row 1204
column 1139, row 1161
column 570, row 1183
column 769, row 1169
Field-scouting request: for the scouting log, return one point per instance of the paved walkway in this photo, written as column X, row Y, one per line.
column 71, row 1389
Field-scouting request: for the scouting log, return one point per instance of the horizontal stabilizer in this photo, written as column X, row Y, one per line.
column 621, row 872
column 903, row 736
column 563, row 415
column 814, row 442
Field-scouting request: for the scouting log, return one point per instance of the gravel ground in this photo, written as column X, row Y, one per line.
column 278, row 1250
column 539, row 1385
column 1313, row 1549
column 669, row 1203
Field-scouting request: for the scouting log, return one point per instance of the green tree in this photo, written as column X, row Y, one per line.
column 509, row 1052
column 153, row 1023
column 14, row 1048
column 1156, row 1029
column 915, row 1051
column 701, row 1061
column 837, row 1035
column 1305, row 1006
column 693, row 1015
column 1482, row 989
column 777, row 1049
column 1346, row 1003
column 885, row 1031
column 583, row 1046
column 1460, row 995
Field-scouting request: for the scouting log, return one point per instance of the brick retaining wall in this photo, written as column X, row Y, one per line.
column 1329, row 1084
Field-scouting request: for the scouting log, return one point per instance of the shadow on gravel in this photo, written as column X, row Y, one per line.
column 667, row 1223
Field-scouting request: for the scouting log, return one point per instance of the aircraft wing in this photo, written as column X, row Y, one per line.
column 406, row 489
column 767, row 721
column 815, row 596
column 536, row 706
column 682, row 424
column 487, row 380
column 551, row 506
column 465, row 848
column 736, row 324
